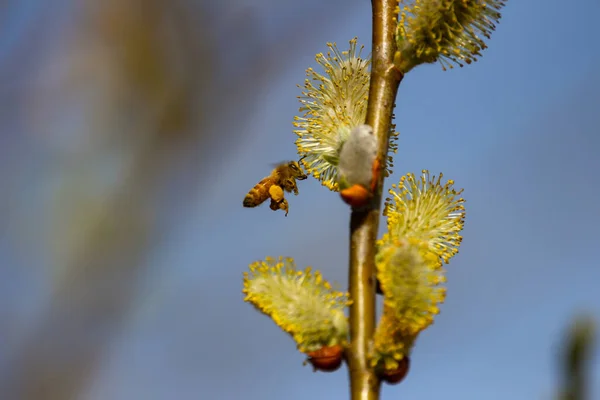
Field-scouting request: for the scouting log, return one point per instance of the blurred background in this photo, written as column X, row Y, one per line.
column 131, row 130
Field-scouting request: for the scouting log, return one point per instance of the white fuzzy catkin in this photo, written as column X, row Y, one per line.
column 357, row 156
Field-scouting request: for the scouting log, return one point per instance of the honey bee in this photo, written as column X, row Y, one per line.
column 282, row 178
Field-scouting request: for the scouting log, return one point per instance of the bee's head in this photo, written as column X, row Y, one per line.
column 296, row 170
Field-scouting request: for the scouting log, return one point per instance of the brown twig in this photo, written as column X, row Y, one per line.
column 385, row 79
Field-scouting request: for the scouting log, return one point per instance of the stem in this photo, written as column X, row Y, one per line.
column 385, row 79
column 577, row 352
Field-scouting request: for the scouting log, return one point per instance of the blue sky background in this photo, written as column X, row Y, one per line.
column 519, row 130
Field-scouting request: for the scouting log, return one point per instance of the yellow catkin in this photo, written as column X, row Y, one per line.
column 332, row 104
column 425, row 209
column 447, row 31
column 301, row 303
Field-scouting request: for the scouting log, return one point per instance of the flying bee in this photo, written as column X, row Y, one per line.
column 282, row 178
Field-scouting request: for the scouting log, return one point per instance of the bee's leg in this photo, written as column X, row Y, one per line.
column 274, row 205
column 290, row 185
column 280, row 205
column 284, row 206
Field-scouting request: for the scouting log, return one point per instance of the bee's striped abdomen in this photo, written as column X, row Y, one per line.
column 259, row 193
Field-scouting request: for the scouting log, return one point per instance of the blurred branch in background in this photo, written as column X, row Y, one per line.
column 125, row 118
column 128, row 87
column 576, row 355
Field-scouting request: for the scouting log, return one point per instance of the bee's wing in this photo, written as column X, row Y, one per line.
column 275, row 165
column 284, row 162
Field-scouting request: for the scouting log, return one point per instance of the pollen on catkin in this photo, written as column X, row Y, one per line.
column 301, row 303
column 390, row 344
column 425, row 209
column 410, row 276
column 332, row 104
column 448, row 31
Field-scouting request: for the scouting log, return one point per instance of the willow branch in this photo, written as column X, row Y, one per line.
column 385, row 79
column 578, row 347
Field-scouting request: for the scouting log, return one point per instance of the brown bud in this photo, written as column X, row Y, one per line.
column 327, row 358
column 356, row 196
column 397, row 375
